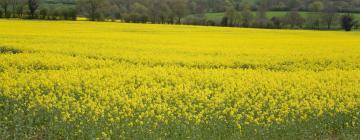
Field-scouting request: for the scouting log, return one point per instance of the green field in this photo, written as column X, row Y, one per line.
column 218, row 16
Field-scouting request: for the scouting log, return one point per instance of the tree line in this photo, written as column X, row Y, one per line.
column 36, row 9
column 321, row 14
column 318, row 16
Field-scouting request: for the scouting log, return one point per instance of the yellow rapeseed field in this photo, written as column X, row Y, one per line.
column 102, row 80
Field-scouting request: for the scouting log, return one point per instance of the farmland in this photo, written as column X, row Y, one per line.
column 216, row 17
column 87, row 80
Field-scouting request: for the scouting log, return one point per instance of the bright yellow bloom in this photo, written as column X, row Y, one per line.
column 88, row 80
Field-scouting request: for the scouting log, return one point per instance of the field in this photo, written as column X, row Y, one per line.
column 218, row 16
column 87, row 80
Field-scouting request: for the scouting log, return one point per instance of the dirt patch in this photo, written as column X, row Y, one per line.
column 8, row 50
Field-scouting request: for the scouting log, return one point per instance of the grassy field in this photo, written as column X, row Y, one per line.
column 218, row 16
column 87, row 80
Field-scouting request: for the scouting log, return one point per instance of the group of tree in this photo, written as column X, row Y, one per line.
column 155, row 11
column 36, row 9
column 319, row 17
column 320, row 13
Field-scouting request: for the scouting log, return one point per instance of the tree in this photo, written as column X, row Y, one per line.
column 92, row 9
column 55, row 13
column 280, row 6
column 295, row 4
column 120, row 8
column 179, row 9
column 357, row 25
column 159, row 11
column 164, row 10
column 313, row 21
column 347, row 22
column 17, row 6
column 224, row 21
column 329, row 15
column 33, row 6
column 294, row 19
column 341, row 5
column 20, row 8
column 113, row 13
column 72, row 13
column 232, row 16
column 261, row 18
column 5, row 6
column 276, row 22
column 65, row 13
column 233, row 3
column 199, row 6
column 216, row 5
column 247, row 16
column 316, row 6
column 44, row 13
column 138, row 13
column 313, row 17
